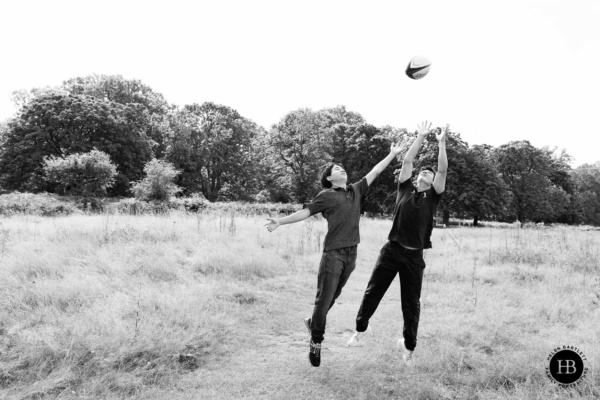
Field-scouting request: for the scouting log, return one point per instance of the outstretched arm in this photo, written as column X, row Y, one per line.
column 439, row 183
column 394, row 151
column 409, row 157
column 290, row 219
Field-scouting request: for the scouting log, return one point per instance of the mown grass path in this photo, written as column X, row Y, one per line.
column 483, row 334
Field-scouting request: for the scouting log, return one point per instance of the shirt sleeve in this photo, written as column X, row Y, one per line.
column 436, row 199
column 435, row 194
column 360, row 187
column 406, row 185
column 319, row 204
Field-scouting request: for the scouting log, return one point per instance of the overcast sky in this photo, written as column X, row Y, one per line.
column 501, row 71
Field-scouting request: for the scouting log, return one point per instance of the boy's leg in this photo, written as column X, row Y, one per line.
column 411, row 280
column 330, row 270
column 382, row 276
column 349, row 266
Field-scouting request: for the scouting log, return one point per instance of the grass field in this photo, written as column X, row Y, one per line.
column 210, row 306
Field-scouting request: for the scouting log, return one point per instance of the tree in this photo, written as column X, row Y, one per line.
column 560, row 175
column 81, row 174
column 117, row 89
column 212, row 146
column 485, row 194
column 339, row 115
column 273, row 183
column 158, row 182
column 60, row 125
column 586, row 178
column 3, row 129
column 527, row 170
column 301, row 144
column 4, row 126
column 22, row 97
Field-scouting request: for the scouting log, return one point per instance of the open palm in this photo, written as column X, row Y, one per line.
column 396, row 148
column 424, row 128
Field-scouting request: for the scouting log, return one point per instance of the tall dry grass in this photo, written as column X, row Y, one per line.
column 204, row 306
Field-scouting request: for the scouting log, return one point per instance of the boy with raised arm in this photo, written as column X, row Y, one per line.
column 340, row 205
column 403, row 253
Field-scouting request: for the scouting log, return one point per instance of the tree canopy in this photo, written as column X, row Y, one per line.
column 226, row 156
column 60, row 125
column 213, row 147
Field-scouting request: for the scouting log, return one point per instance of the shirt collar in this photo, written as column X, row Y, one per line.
column 337, row 189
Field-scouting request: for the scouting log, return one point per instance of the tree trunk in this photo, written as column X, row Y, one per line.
column 446, row 217
column 475, row 221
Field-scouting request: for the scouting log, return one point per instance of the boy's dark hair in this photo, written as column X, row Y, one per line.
column 325, row 173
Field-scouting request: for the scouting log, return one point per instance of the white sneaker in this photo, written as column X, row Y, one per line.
column 307, row 324
column 407, row 355
column 358, row 336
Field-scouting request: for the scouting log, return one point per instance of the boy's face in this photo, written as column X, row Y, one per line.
column 338, row 175
column 426, row 176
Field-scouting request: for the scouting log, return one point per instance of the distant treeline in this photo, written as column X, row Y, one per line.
column 225, row 156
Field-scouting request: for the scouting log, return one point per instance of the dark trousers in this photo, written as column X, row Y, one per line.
column 334, row 271
column 409, row 264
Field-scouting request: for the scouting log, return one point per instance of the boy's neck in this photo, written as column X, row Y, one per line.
column 421, row 187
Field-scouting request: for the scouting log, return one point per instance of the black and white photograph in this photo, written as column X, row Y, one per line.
column 300, row 200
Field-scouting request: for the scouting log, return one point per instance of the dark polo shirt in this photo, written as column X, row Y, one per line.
column 413, row 216
column 341, row 209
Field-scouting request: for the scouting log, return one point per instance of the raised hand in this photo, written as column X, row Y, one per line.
column 396, row 148
column 441, row 137
column 424, row 128
column 272, row 225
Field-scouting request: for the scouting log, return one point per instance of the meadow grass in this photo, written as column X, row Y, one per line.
column 210, row 305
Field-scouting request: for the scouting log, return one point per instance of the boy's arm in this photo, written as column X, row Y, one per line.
column 439, row 183
column 395, row 149
column 409, row 157
column 290, row 219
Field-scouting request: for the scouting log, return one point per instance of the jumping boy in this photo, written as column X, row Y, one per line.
column 340, row 205
column 403, row 253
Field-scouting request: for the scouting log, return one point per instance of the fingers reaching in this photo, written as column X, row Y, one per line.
column 441, row 136
column 424, row 127
column 271, row 225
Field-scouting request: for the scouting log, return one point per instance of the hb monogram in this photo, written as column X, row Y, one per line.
column 569, row 366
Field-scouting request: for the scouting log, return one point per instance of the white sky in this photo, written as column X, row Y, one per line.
column 501, row 71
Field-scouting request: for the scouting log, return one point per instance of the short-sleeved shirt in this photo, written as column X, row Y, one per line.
column 413, row 216
column 341, row 209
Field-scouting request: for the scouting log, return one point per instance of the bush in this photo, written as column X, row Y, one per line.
column 256, row 208
column 139, row 207
column 81, row 174
column 158, row 183
column 197, row 204
column 194, row 203
column 34, row 204
column 132, row 207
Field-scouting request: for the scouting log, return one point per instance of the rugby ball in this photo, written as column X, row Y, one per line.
column 418, row 67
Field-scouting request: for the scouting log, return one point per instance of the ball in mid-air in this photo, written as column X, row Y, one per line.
column 418, row 67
